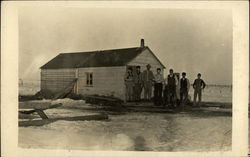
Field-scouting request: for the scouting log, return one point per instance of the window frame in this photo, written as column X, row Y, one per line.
column 89, row 79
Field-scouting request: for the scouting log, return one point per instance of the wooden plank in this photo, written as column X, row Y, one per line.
column 106, row 101
column 41, row 114
column 47, row 121
column 57, row 81
column 59, row 75
column 58, row 70
column 33, row 105
column 35, row 122
column 56, row 77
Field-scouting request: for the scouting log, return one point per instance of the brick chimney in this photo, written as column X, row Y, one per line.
column 142, row 43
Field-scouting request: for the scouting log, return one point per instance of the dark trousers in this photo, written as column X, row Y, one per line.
column 147, row 90
column 165, row 96
column 137, row 91
column 172, row 95
column 157, row 93
column 197, row 92
column 183, row 95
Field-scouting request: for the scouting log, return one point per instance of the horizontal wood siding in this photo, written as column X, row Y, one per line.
column 146, row 57
column 56, row 79
column 107, row 81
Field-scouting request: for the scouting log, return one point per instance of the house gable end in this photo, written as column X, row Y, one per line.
column 146, row 57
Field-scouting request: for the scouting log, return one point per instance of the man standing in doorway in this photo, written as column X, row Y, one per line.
column 198, row 85
column 147, row 78
column 129, row 84
column 184, row 88
column 138, row 83
column 158, row 83
column 171, row 83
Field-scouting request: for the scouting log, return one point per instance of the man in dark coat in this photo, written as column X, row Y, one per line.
column 171, row 86
column 184, row 88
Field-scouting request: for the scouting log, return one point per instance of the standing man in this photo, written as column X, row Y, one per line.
column 129, row 84
column 198, row 85
column 147, row 78
column 184, row 88
column 171, row 84
column 165, row 93
column 158, row 81
column 138, row 83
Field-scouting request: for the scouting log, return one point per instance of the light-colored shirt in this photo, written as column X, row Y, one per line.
column 159, row 78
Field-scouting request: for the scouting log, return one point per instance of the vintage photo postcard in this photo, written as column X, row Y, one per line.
column 128, row 78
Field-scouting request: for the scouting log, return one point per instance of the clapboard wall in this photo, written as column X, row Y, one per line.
column 108, row 81
column 56, row 79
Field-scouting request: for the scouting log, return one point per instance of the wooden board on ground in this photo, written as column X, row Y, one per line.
column 41, row 114
column 34, row 104
column 101, row 100
column 40, row 107
column 47, row 121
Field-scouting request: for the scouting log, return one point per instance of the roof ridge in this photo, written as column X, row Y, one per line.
column 101, row 50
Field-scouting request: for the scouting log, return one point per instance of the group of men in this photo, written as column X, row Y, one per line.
column 165, row 90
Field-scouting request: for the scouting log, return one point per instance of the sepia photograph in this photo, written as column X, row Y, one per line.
column 125, row 78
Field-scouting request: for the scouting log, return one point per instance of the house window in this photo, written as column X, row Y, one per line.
column 89, row 79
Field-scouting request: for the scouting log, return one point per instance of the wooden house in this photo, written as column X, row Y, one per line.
column 97, row 72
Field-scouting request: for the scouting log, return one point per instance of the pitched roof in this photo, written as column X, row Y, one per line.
column 105, row 58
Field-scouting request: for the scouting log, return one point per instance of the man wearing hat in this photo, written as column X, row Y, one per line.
column 171, row 85
column 184, row 88
column 147, row 78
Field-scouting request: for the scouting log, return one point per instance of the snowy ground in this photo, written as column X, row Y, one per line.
column 205, row 130
column 185, row 131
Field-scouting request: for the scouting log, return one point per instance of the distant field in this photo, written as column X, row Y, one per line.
column 29, row 88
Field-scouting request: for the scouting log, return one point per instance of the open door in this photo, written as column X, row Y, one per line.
column 133, row 69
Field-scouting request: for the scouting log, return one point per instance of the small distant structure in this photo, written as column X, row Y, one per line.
column 96, row 72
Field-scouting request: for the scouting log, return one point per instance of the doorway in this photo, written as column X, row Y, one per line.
column 132, row 98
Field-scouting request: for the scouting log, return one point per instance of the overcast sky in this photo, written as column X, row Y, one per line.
column 183, row 39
